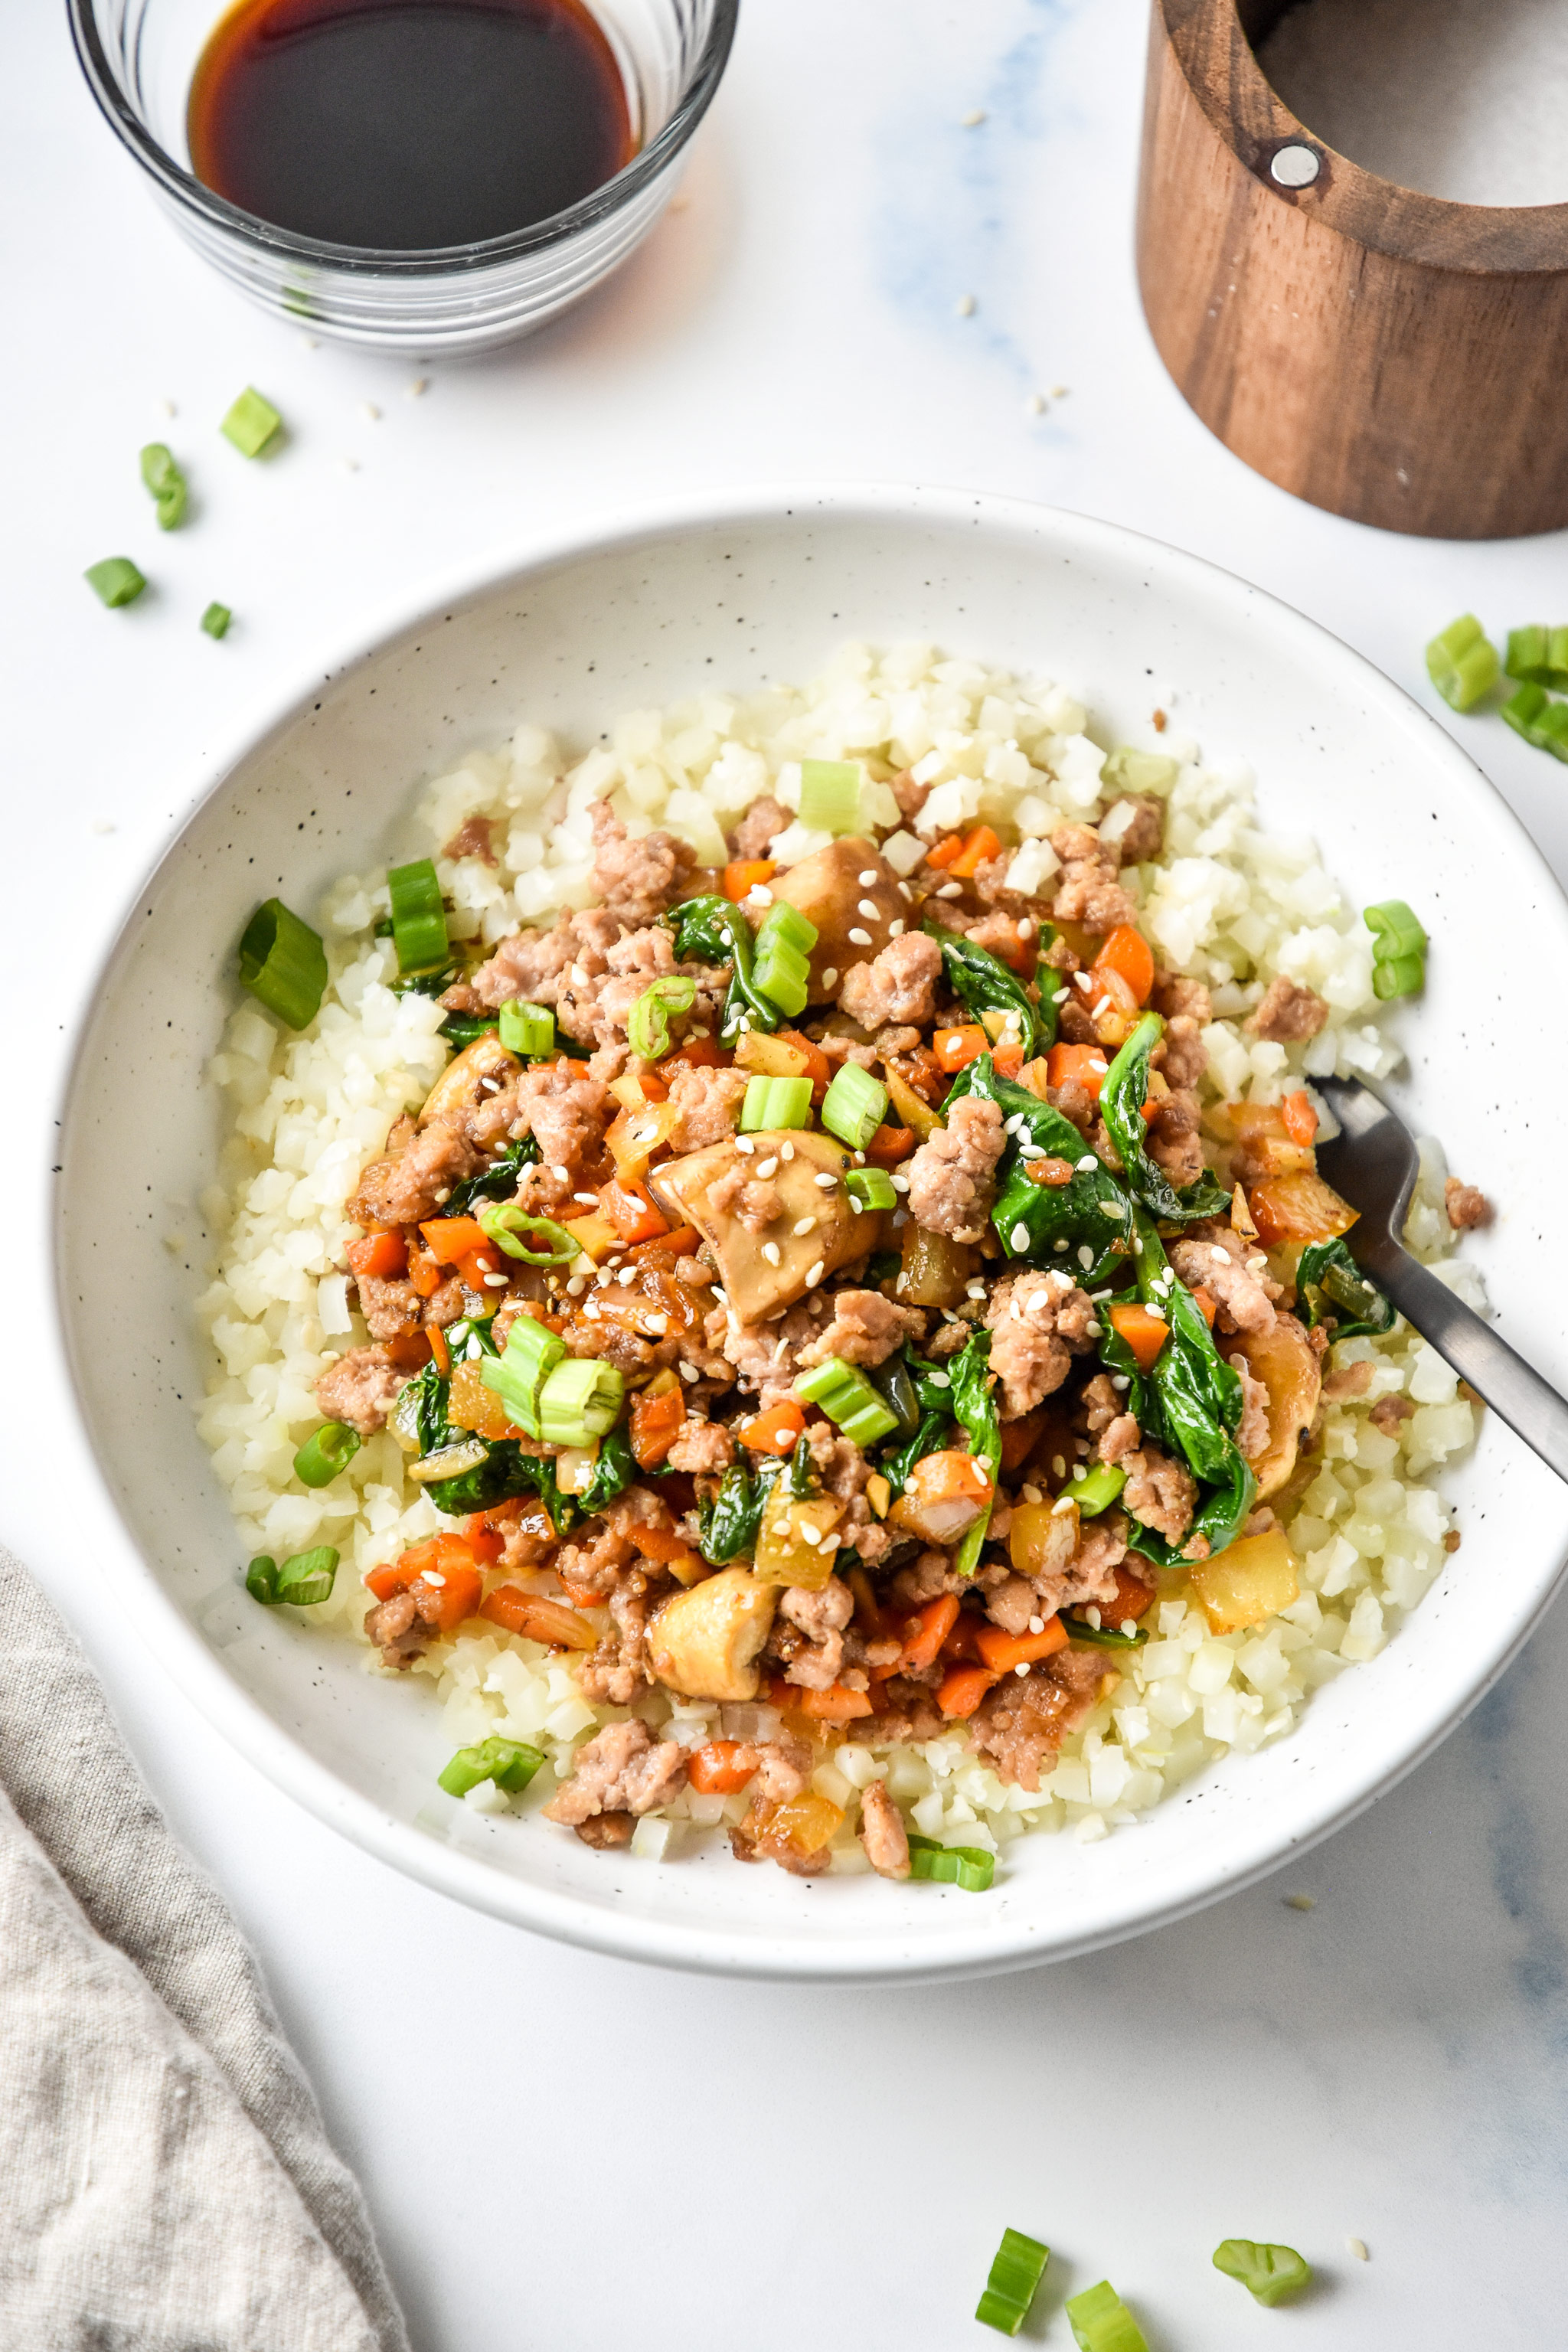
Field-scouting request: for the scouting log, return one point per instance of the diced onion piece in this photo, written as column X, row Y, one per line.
column 449, row 1462
column 1252, row 1579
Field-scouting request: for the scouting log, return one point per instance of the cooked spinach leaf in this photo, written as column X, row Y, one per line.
column 1041, row 1223
column 1200, row 1404
column 712, row 930
column 613, row 1472
column 729, row 1522
column 1121, row 1098
column 975, row 1403
column 460, row 1029
column 1332, row 1287
column 496, row 1182
column 982, row 983
column 506, row 1469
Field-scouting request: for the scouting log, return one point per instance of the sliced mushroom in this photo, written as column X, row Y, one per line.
column 459, row 1085
column 706, row 1642
column 835, row 1236
column 830, row 892
column 1282, row 1359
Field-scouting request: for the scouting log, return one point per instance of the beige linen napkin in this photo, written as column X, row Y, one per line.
column 168, row 2186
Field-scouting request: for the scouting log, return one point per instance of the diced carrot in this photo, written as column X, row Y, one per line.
column 926, row 1631
column 679, row 1244
column 579, row 1595
column 742, row 873
column 956, row 1049
column 835, row 1705
column 473, row 1270
column 449, row 1240
column 443, row 1565
column 1008, row 1059
column 457, row 1596
column 979, row 847
column 1085, row 1066
column 888, row 1146
column 958, row 1647
column 673, row 1550
column 1127, row 953
column 961, row 1691
column 1143, row 1333
column 537, row 1618
column 631, row 1210
column 483, row 1535
column 383, row 1256
column 714, row 1771
column 1002, row 1652
column 818, row 1068
column 655, row 1426
column 1205, row 1304
column 1300, row 1119
column 946, row 850
column 424, row 1271
column 409, row 1351
column 775, row 1430
column 439, row 1350
column 1133, row 1598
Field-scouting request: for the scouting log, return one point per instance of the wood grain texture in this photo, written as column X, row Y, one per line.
column 1388, row 355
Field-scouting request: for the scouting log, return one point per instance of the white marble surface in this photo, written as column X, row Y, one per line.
column 561, row 2150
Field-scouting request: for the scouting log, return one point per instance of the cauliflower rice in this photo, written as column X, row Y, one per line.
column 1226, row 904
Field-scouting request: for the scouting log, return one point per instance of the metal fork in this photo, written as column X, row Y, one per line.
column 1373, row 1162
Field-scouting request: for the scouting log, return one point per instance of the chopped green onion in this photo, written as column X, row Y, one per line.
column 854, row 1105
column 163, row 479
column 969, row 1866
column 301, row 1581
column 1101, row 2322
column 321, row 1458
column 506, row 1763
column 1462, row 663
column 1543, row 722
column 1014, row 2280
column 528, row 1029
column 848, row 1398
column 1098, row 1491
column 776, row 1102
column 783, row 949
column 418, row 917
column 503, row 1219
column 1269, row 2274
column 872, row 1186
column 251, row 422
column 517, row 1374
column 648, row 1024
column 830, row 795
column 216, row 620
column 115, row 581
column 1540, row 655
column 1399, row 951
column 580, row 1401
column 283, row 961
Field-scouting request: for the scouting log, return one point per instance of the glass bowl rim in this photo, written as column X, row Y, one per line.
column 435, row 261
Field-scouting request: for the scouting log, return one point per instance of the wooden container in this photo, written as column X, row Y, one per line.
column 1388, row 355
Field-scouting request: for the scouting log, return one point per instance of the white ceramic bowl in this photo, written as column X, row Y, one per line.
column 733, row 592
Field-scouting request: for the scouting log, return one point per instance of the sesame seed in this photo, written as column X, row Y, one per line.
column 1020, row 1670
column 1120, row 1382
column 964, row 306
column 769, row 1167
column 857, row 1208
column 743, row 1143
column 1113, row 1209
column 1087, row 1163
column 417, row 388
column 786, row 1151
column 974, row 1290
column 562, row 1175
column 949, row 890
column 1060, row 1507
column 495, row 1282
column 1033, row 1494
column 827, row 1182
column 1301, row 1903
column 901, row 1183
column 432, row 1575
column 689, row 1372
column 814, row 1277
column 489, row 1085
column 578, row 977
column 830, row 978
column 443, row 1196
column 869, row 908
column 626, row 1275
column 860, row 1160
column 1358, row 2248
column 1081, row 980
column 1011, row 1126
column 868, row 879
column 804, row 1224
column 760, row 892
column 590, row 1199
column 974, row 118
column 771, row 1251
column 808, row 1534
column 1058, row 1245
column 860, row 938
column 1129, row 1626
column 1025, row 929
column 941, row 1380
column 1018, row 1238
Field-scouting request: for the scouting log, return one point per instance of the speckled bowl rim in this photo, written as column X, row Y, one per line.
column 241, row 1718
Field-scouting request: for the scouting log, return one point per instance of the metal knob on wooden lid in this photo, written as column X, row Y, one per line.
column 1394, row 357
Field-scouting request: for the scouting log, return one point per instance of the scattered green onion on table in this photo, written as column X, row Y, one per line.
column 1014, row 2280
column 116, row 581
column 1269, row 2274
column 1532, row 713
column 214, row 620
column 1462, row 663
column 251, row 422
column 1101, row 2321
column 164, row 483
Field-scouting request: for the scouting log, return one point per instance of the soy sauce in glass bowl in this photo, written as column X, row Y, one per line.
column 536, row 140
column 406, row 125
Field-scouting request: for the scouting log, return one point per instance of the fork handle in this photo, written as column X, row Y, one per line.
column 1514, row 1389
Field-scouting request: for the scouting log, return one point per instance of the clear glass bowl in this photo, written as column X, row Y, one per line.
column 139, row 56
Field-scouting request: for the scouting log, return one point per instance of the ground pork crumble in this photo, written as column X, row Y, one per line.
column 755, row 1590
